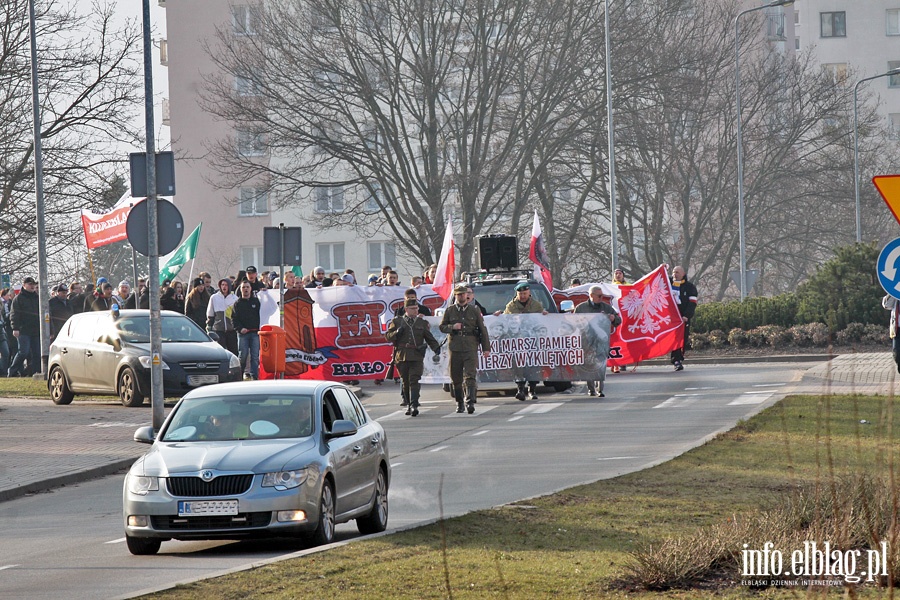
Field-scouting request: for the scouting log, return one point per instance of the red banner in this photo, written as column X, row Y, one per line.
column 107, row 228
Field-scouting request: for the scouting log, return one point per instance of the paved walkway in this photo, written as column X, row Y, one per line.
column 43, row 446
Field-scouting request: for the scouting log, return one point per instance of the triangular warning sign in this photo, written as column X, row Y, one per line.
column 889, row 188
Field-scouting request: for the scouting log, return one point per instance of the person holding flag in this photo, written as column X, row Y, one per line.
column 185, row 252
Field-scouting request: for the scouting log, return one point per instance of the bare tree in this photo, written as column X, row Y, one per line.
column 89, row 89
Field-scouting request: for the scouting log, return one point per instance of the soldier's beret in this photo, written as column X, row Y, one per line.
column 410, row 302
column 461, row 289
column 522, row 285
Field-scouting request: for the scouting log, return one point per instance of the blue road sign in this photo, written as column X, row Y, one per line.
column 889, row 268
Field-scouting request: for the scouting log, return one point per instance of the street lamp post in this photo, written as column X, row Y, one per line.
column 612, row 147
column 740, row 151
column 856, row 148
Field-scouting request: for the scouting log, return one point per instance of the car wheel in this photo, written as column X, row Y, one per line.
column 129, row 393
column 376, row 521
column 142, row 546
column 59, row 387
column 559, row 386
column 324, row 533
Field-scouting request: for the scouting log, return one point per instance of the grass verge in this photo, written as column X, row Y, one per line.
column 588, row 542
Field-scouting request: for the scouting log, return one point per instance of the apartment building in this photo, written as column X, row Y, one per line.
column 233, row 219
column 852, row 34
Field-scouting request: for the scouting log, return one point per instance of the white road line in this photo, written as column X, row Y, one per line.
column 540, row 408
column 617, row 457
column 760, row 392
column 678, row 400
column 514, row 419
column 118, row 541
column 479, row 410
column 768, row 384
column 756, row 398
column 8, row 567
column 439, row 448
column 397, row 414
column 698, row 388
column 482, row 432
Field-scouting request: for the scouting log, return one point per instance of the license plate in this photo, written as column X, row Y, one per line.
column 199, row 508
column 195, row 380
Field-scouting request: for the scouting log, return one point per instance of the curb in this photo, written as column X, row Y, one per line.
column 713, row 360
column 67, row 479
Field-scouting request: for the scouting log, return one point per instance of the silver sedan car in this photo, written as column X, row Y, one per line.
column 259, row 458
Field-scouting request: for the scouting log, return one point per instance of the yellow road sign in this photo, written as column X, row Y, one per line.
column 889, row 188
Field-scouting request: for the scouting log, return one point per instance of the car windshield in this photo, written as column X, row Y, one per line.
column 494, row 297
column 240, row 418
column 174, row 329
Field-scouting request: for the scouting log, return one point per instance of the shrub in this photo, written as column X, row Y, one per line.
column 756, row 338
column 811, row 334
column 700, row 341
column 877, row 334
column 852, row 334
column 775, row 336
column 717, row 338
column 738, row 338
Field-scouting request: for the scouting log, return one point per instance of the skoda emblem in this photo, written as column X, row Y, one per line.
column 201, row 365
column 207, row 475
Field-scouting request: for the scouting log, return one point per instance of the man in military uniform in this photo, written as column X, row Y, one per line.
column 523, row 303
column 410, row 334
column 464, row 325
column 598, row 303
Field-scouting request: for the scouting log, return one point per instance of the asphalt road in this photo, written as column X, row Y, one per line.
column 69, row 543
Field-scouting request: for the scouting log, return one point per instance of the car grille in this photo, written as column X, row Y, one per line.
column 194, row 367
column 239, row 521
column 226, row 485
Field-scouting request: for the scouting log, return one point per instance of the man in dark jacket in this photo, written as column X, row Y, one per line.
column 76, row 297
column 410, row 334
column 245, row 318
column 25, row 315
column 411, row 294
column 60, row 310
column 685, row 294
column 599, row 303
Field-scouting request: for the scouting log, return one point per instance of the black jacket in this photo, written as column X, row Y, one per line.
column 25, row 314
column 245, row 314
column 60, row 311
column 687, row 298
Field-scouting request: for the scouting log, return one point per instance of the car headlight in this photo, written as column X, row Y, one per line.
column 141, row 485
column 234, row 362
column 145, row 362
column 284, row 480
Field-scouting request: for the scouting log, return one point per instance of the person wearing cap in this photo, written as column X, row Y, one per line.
column 598, row 302
column 319, row 279
column 256, row 284
column 105, row 300
column 25, row 315
column 60, row 310
column 410, row 335
column 122, row 293
column 523, row 303
column 352, row 274
column 218, row 316
column 96, row 293
column 411, row 294
column 464, row 325
column 373, row 280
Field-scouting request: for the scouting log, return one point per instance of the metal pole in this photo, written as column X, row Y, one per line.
column 43, row 291
column 740, row 148
column 156, row 383
column 856, row 149
column 613, row 233
column 134, row 273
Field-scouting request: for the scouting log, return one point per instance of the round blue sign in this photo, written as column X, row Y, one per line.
column 889, row 268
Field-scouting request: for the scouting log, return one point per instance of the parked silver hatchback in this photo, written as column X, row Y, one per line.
column 258, row 459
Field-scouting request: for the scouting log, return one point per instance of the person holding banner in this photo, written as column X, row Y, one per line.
column 685, row 294
column 464, row 325
column 523, row 303
column 410, row 334
column 597, row 303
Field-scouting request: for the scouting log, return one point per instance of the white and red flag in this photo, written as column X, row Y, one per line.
column 651, row 324
column 446, row 267
column 108, row 227
column 538, row 255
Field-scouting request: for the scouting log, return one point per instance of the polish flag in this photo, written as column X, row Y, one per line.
column 538, row 255
column 443, row 279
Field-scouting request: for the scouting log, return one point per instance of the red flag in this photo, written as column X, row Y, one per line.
column 106, row 228
column 538, row 254
column 443, row 279
column 651, row 324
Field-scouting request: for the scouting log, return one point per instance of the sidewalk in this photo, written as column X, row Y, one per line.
column 43, row 446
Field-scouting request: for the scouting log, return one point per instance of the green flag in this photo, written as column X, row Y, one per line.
column 185, row 252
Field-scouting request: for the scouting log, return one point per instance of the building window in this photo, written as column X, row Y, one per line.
column 246, row 86
column 253, row 255
column 836, row 71
column 374, row 197
column 834, row 24
column 330, row 256
column 250, row 143
column 380, row 254
column 893, row 80
column 775, row 25
column 894, row 123
column 254, row 201
column 242, row 20
column 330, row 199
column 893, row 21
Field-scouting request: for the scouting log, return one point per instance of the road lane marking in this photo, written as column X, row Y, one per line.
column 698, row 388
column 514, row 419
column 439, row 448
column 537, row 409
column 396, row 464
column 118, row 541
column 751, row 398
column 479, row 410
column 617, row 457
column 768, row 384
column 482, row 432
column 8, row 567
column 116, row 424
column 397, row 414
column 678, row 400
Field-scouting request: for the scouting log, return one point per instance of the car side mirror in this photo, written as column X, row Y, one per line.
column 145, row 435
column 566, row 306
column 213, row 336
column 342, row 428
